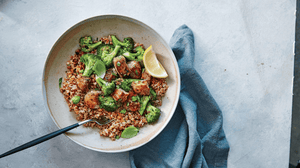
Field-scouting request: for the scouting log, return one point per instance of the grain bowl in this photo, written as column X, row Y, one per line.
column 56, row 67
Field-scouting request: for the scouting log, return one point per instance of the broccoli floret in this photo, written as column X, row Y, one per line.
column 143, row 102
column 138, row 56
column 108, row 57
column 107, row 87
column 104, row 47
column 126, row 84
column 89, row 61
column 87, row 40
column 87, row 45
column 129, row 41
column 127, row 44
column 153, row 113
column 108, row 103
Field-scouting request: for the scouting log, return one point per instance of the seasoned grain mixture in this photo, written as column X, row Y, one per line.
column 127, row 94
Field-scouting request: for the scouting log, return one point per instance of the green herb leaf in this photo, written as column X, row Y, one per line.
column 136, row 72
column 118, row 63
column 127, row 104
column 117, row 137
column 129, row 132
column 59, row 82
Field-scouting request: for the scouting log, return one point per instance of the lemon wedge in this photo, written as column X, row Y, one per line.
column 152, row 65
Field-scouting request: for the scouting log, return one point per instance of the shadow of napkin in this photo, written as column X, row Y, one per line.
column 194, row 136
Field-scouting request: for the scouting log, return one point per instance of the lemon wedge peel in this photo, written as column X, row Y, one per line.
column 152, row 65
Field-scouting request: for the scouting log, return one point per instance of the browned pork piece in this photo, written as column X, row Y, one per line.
column 120, row 95
column 83, row 83
column 132, row 106
column 135, row 69
column 146, row 76
column 121, row 66
column 141, row 88
column 91, row 99
column 110, row 75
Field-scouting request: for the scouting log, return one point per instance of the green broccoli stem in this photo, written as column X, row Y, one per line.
column 89, row 48
column 144, row 101
column 117, row 42
column 138, row 56
column 101, row 81
column 129, row 54
column 132, row 56
column 87, row 73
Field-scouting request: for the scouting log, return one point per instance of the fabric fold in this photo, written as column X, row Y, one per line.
column 194, row 136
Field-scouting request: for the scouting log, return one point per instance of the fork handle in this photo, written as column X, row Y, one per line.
column 43, row 138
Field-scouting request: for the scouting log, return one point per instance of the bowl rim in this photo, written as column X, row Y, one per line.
column 131, row 20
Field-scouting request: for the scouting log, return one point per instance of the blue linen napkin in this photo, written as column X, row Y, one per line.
column 194, row 136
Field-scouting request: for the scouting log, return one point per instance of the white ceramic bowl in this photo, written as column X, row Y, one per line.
column 55, row 67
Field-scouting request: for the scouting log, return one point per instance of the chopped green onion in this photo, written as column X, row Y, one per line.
column 153, row 93
column 114, row 74
column 75, row 99
column 123, row 111
column 135, row 98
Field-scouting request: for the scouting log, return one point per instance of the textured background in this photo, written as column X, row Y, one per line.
column 244, row 54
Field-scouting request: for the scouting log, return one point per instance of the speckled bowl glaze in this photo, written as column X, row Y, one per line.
column 55, row 67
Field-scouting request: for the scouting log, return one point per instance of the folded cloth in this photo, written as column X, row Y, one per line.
column 194, row 136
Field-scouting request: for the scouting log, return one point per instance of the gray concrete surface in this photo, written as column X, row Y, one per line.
column 245, row 56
